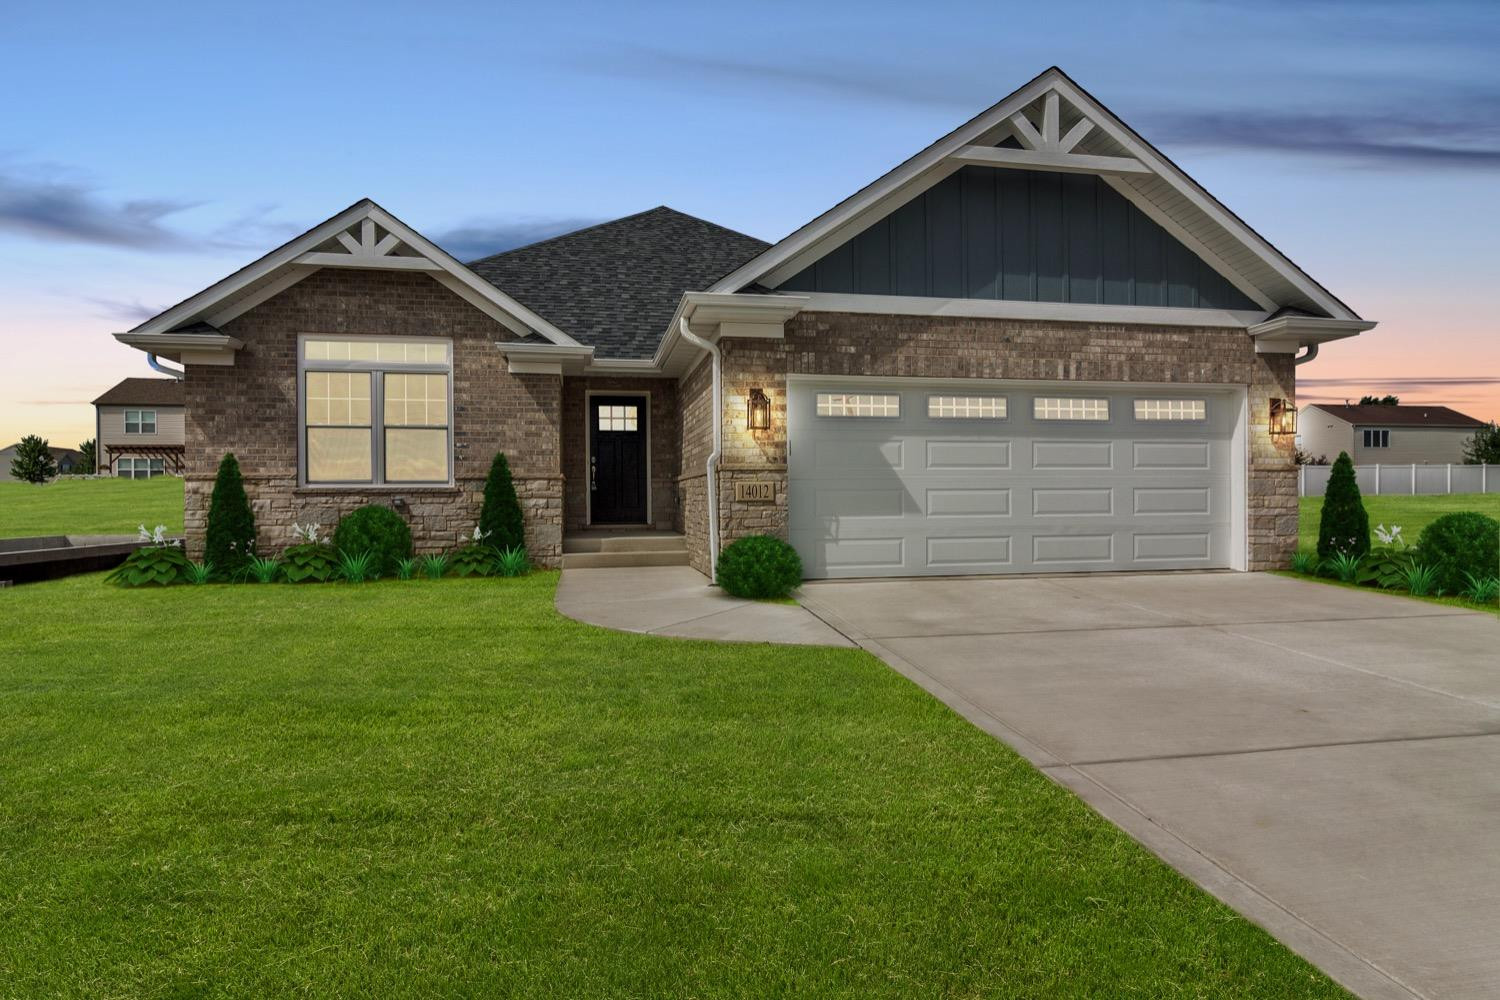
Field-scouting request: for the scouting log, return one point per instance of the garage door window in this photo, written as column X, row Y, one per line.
column 1171, row 409
column 966, row 407
column 1066, row 408
column 848, row 404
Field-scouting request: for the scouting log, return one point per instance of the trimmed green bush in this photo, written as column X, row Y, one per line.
column 377, row 530
column 1345, row 527
column 311, row 562
column 229, row 541
column 759, row 566
column 500, row 522
column 1458, row 546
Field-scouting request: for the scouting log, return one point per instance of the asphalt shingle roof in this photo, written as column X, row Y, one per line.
column 614, row 286
column 1400, row 416
column 143, row 392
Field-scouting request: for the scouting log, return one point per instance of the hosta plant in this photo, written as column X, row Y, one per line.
column 199, row 573
column 262, row 569
column 406, row 568
column 472, row 560
column 357, row 567
column 155, row 566
column 1481, row 589
column 1344, row 565
column 310, row 563
column 434, row 566
column 1385, row 567
column 1305, row 562
column 1421, row 579
column 513, row 562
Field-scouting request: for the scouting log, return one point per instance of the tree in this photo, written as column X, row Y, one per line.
column 33, row 462
column 90, row 453
column 1386, row 400
column 1306, row 458
column 230, row 539
column 1344, row 526
column 500, row 519
column 1484, row 447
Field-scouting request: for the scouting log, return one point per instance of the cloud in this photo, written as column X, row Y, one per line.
column 480, row 239
column 132, row 310
column 1410, row 384
column 52, row 209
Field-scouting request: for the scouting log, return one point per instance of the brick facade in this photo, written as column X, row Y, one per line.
column 250, row 409
column 899, row 346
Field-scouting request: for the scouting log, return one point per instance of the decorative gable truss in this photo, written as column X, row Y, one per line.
column 1048, row 148
column 364, row 235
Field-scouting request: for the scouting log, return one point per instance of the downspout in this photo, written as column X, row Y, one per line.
column 711, row 469
column 1302, row 359
column 158, row 366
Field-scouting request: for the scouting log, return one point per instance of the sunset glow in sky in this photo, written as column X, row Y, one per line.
column 148, row 150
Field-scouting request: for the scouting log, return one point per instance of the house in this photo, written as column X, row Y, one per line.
column 1379, row 434
column 69, row 461
column 139, row 427
column 1036, row 345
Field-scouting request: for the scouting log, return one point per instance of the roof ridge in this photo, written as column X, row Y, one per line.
column 609, row 222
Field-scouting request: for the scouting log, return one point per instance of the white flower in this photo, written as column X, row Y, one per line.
column 1391, row 536
column 159, row 536
column 479, row 536
column 145, row 535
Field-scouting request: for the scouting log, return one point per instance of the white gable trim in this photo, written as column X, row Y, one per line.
column 850, row 217
column 290, row 263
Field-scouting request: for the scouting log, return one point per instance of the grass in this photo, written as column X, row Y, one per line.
column 90, row 506
column 444, row 788
column 1448, row 600
column 1412, row 513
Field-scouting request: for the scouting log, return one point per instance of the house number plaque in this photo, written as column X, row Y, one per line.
column 755, row 491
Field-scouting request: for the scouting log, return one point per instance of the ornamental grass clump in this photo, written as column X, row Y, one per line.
column 357, row 567
column 407, row 568
column 1481, row 589
column 262, row 569
column 199, row 573
column 513, row 562
column 1305, row 562
column 434, row 566
column 1420, row 579
column 377, row 530
column 1344, row 527
column 1343, row 565
column 760, row 567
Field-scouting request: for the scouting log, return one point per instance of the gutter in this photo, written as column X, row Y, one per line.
column 158, row 366
column 712, row 466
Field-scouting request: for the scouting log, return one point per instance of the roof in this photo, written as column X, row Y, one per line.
column 58, row 452
column 615, row 286
column 143, row 392
column 1371, row 414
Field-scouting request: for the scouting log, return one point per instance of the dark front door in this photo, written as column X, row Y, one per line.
column 617, row 459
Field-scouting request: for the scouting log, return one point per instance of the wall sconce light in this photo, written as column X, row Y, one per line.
column 1283, row 417
column 760, row 410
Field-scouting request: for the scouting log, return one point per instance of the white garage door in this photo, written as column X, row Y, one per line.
column 927, row 478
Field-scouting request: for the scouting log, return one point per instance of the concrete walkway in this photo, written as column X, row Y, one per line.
column 1326, row 761
column 678, row 601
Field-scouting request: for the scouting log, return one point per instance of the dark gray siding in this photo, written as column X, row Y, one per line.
column 1021, row 234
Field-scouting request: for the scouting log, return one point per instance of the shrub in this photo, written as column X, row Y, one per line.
column 313, row 562
column 229, row 541
column 262, row 570
column 1456, row 544
column 377, row 530
column 33, row 462
column 473, row 560
column 1484, row 447
column 513, row 562
column 1343, row 565
column 1482, row 589
column 357, row 567
column 407, row 568
column 759, row 566
column 434, row 566
column 500, row 521
column 1385, row 567
column 1344, row 526
column 152, row 566
column 1419, row 579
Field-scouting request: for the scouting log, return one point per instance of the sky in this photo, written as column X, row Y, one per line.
column 147, row 150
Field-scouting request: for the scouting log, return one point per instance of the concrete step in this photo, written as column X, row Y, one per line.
column 611, row 560
column 624, row 541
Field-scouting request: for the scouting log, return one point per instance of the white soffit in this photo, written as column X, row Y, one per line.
column 1061, row 127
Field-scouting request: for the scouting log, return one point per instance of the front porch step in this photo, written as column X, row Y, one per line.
column 605, row 548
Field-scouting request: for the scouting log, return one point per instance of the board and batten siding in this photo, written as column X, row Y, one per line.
column 170, row 427
column 1025, row 235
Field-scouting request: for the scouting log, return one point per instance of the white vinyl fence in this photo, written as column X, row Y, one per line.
column 1406, row 480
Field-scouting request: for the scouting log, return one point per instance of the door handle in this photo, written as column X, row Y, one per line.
column 593, row 474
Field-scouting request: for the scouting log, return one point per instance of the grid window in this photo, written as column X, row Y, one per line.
column 848, row 404
column 1377, row 439
column 416, row 428
column 1171, row 409
column 966, row 407
column 1060, row 408
column 400, row 351
column 140, row 468
column 140, row 421
column 619, row 418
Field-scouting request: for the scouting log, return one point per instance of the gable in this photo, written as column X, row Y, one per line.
column 1022, row 235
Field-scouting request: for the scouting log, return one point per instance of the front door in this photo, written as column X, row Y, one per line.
column 617, row 459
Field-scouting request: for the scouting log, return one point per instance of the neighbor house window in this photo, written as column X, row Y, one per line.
column 140, row 421
column 1377, row 439
column 966, row 407
column 140, row 468
column 1171, row 409
column 1060, row 408
column 376, row 411
column 849, row 404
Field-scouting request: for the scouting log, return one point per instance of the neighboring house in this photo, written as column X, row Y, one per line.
column 1399, row 435
column 139, row 427
column 69, row 461
column 1037, row 345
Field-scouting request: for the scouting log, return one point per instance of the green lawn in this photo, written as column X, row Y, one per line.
column 447, row 789
column 90, row 506
column 1412, row 513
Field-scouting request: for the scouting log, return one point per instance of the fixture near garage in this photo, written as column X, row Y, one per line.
column 759, row 410
column 1283, row 417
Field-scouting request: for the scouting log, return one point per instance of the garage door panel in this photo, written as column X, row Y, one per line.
column 1170, row 455
column 967, row 502
column 971, row 553
column 1172, row 501
column 1172, row 546
column 1090, row 456
column 1080, row 501
column 837, row 454
column 963, row 455
column 1067, row 548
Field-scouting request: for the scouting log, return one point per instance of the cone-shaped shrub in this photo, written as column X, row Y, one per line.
column 230, row 539
column 1344, row 528
column 500, row 517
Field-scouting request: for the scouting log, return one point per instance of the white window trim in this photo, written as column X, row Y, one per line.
column 140, row 422
column 588, row 448
column 377, row 412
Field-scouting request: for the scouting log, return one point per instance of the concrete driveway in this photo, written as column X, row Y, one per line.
column 1326, row 761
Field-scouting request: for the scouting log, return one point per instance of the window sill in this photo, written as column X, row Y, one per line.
column 427, row 490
